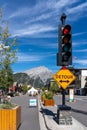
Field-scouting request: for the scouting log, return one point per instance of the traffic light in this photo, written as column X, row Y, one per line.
column 64, row 57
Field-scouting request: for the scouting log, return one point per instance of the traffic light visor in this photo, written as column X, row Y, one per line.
column 66, row 29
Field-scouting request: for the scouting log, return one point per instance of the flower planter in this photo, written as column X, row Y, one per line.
column 10, row 119
column 49, row 102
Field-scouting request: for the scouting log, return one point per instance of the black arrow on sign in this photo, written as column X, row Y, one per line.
column 67, row 81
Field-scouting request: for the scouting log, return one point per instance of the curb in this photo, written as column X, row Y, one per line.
column 44, row 117
column 51, row 124
column 41, row 116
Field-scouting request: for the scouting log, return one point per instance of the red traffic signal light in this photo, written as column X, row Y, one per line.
column 66, row 29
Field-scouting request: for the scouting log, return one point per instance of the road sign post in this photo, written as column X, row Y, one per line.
column 64, row 77
column 64, row 56
column 63, row 97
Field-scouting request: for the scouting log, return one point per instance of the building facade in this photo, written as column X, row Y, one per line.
column 80, row 83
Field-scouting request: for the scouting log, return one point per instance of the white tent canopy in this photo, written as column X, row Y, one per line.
column 32, row 91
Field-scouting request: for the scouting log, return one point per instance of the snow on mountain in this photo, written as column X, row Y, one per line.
column 42, row 72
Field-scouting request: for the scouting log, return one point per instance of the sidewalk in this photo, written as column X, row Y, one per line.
column 50, row 116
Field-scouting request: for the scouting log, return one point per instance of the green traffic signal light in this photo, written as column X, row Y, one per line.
column 66, row 47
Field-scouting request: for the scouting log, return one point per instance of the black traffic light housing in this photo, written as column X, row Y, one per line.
column 64, row 56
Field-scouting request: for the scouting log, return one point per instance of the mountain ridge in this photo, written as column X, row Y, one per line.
column 41, row 71
column 37, row 76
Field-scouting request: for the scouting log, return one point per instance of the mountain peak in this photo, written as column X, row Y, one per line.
column 43, row 72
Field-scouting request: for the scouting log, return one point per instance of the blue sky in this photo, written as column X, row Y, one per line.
column 35, row 23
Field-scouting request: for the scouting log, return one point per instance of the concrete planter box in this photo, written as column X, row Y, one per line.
column 49, row 102
column 10, row 119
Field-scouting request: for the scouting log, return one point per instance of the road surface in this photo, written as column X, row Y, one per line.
column 30, row 119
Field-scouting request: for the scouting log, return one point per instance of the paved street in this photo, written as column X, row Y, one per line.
column 30, row 119
column 79, row 108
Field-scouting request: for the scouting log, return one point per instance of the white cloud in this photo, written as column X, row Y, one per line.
column 79, row 43
column 24, row 57
column 76, row 12
column 34, row 29
column 28, row 11
column 82, row 50
column 20, row 12
column 43, row 9
column 38, row 18
column 62, row 3
column 44, row 12
column 78, row 9
column 49, row 45
column 82, row 62
column 80, row 33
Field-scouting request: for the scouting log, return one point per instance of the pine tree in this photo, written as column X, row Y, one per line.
column 8, row 49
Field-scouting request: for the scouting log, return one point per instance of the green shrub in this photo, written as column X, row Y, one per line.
column 24, row 88
column 43, row 95
column 7, row 105
column 55, row 88
column 49, row 95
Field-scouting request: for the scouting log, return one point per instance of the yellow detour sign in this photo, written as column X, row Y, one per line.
column 64, row 77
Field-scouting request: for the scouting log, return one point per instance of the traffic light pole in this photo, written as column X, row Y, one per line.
column 64, row 39
column 63, row 91
column 63, row 97
column 64, row 57
column 63, row 17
